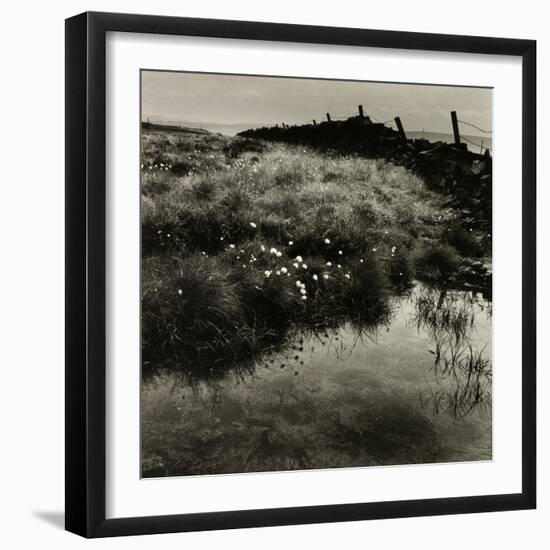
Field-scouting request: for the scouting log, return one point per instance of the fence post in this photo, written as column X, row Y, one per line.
column 456, row 132
column 328, row 117
column 361, row 115
column 400, row 128
column 314, row 122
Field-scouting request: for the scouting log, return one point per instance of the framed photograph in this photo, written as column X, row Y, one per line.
column 300, row 274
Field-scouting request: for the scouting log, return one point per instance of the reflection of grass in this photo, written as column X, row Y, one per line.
column 463, row 373
column 277, row 425
column 443, row 311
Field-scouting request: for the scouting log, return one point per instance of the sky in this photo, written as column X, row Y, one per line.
column 250, row 101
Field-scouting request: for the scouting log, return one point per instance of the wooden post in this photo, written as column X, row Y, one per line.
column 400, row 128
column 456, row 132
column 314, row 122
column 328, row 117
column 361, row 115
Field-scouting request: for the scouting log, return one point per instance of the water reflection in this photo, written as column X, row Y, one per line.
column 415, row 389
column 462, row 372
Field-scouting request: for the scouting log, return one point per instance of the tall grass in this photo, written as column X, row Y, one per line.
column 212, row 209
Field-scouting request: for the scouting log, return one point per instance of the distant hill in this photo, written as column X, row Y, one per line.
column 226, row 129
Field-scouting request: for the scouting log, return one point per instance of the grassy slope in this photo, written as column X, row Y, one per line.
column 214, row 209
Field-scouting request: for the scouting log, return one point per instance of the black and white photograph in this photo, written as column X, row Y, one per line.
column 316, row 274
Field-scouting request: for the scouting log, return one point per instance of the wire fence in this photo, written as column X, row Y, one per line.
column 395, row 124
column 476, row 127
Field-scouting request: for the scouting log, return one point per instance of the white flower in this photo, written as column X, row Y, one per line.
column 304, row 266
column 315, row 278
column 277, row 272
column 296, row 265
column 340, row 252
column 361, row 260
column 302, row 285
column 339, row 266
column 298, row 284
column 401, row 274
column 231, row 246
column 221, row 238
column 374, row 249
column 273, row 251
column 279, row 254
column 180, row 291
column 290, row 243
column 303, row 291
column 347, row 276
column 304, row 297
column 267, row 273
column 329, row 264
column 252, row 224
column 325, row 277
column 262, row 247
column 284, row 270
column 327, row 241
column 299, row 259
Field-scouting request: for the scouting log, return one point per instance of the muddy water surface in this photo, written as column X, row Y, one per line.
column 414, row 390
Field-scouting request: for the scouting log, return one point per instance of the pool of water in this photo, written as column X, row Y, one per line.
column 416, row 389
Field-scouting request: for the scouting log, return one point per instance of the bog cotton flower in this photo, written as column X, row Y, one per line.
column 299, row 259
column 315, row 278
column 273, row 251
column 252, row 224
column 327, row 241
column 329, row 264
column 284, row 270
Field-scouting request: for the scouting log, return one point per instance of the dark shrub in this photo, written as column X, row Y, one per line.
column 438, row 261
column 400, row 271
column 465, row 242
column 238, row 146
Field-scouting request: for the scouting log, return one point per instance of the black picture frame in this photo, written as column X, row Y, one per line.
column 86, row 284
